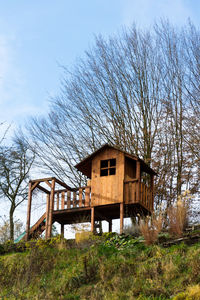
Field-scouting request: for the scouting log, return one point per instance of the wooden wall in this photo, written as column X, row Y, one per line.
column 107, row 189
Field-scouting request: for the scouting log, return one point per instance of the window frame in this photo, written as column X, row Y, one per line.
column 109, row 168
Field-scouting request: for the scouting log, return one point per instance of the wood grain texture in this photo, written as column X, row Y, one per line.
column 107, row 189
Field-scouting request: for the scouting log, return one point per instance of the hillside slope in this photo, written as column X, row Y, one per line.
column 111, row 267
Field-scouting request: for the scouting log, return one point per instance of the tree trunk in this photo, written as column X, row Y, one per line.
column 12, row 223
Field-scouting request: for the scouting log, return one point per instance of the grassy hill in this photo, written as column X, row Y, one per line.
column 108, row 267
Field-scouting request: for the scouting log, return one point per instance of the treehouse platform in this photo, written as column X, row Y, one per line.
column 119, row 185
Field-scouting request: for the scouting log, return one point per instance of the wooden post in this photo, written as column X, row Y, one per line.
column 92, row 219
column 47, row 216
column 63, row 200
column 62, row 230
column 152, row 192
column 138, row 177
column 58, row 196
column 80, row 198
column 110, row 226
column 51, row 208
column 121, row 217
column 29, row 210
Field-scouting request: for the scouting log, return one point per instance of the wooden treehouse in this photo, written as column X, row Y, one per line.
column 119, row 185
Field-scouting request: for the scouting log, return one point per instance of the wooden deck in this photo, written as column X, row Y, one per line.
column 69, row 205
column 80, row 199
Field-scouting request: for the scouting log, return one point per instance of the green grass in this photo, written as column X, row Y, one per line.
column 111, row 267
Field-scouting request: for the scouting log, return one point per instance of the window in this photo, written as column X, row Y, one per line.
column 108, row 167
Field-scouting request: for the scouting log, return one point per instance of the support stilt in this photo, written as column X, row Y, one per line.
column 110, row 226
column 51, row 209
column 92, row 220
column 47, row 216
column 121, row 217
column 62, row 230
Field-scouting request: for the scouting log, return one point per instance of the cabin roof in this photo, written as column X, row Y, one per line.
column 85, row 166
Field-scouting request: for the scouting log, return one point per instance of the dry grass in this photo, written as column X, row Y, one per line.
column 150, row 227
column 178, row 215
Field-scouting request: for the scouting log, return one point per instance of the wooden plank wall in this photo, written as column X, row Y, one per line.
column 107, row 189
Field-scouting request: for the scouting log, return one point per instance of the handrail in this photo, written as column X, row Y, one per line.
column 76, row 198
column 131, row 196
column 131, row 180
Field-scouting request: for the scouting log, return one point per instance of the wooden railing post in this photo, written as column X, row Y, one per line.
column 58, row 196
column 63, row 200
column 80, row 197
column 29, row 210
column 87, row 196
column 152, row 192
column 138, row 177
column 51, row 208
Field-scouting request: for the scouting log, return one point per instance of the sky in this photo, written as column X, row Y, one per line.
column 38, row 37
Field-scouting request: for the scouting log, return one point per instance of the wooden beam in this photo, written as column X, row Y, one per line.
column 63, row 184
column 66, row 190
column 42, row 179
column 34, row 186
column 47, row 216
column 102, row 217
column 51, row 209
column 48, row 183
column 29, row 210
column 121, row 217
column 92, row 219
column 43, row 189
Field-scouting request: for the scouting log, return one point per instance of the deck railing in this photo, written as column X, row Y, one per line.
column 135, row 192
column 77, row 198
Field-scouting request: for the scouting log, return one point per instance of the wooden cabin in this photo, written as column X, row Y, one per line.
column 119, row 185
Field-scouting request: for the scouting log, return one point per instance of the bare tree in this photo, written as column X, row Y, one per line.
column 15, row 164
column 5, row 229
column 133, row 90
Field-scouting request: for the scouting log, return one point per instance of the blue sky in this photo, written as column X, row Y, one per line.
column 36, row 37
